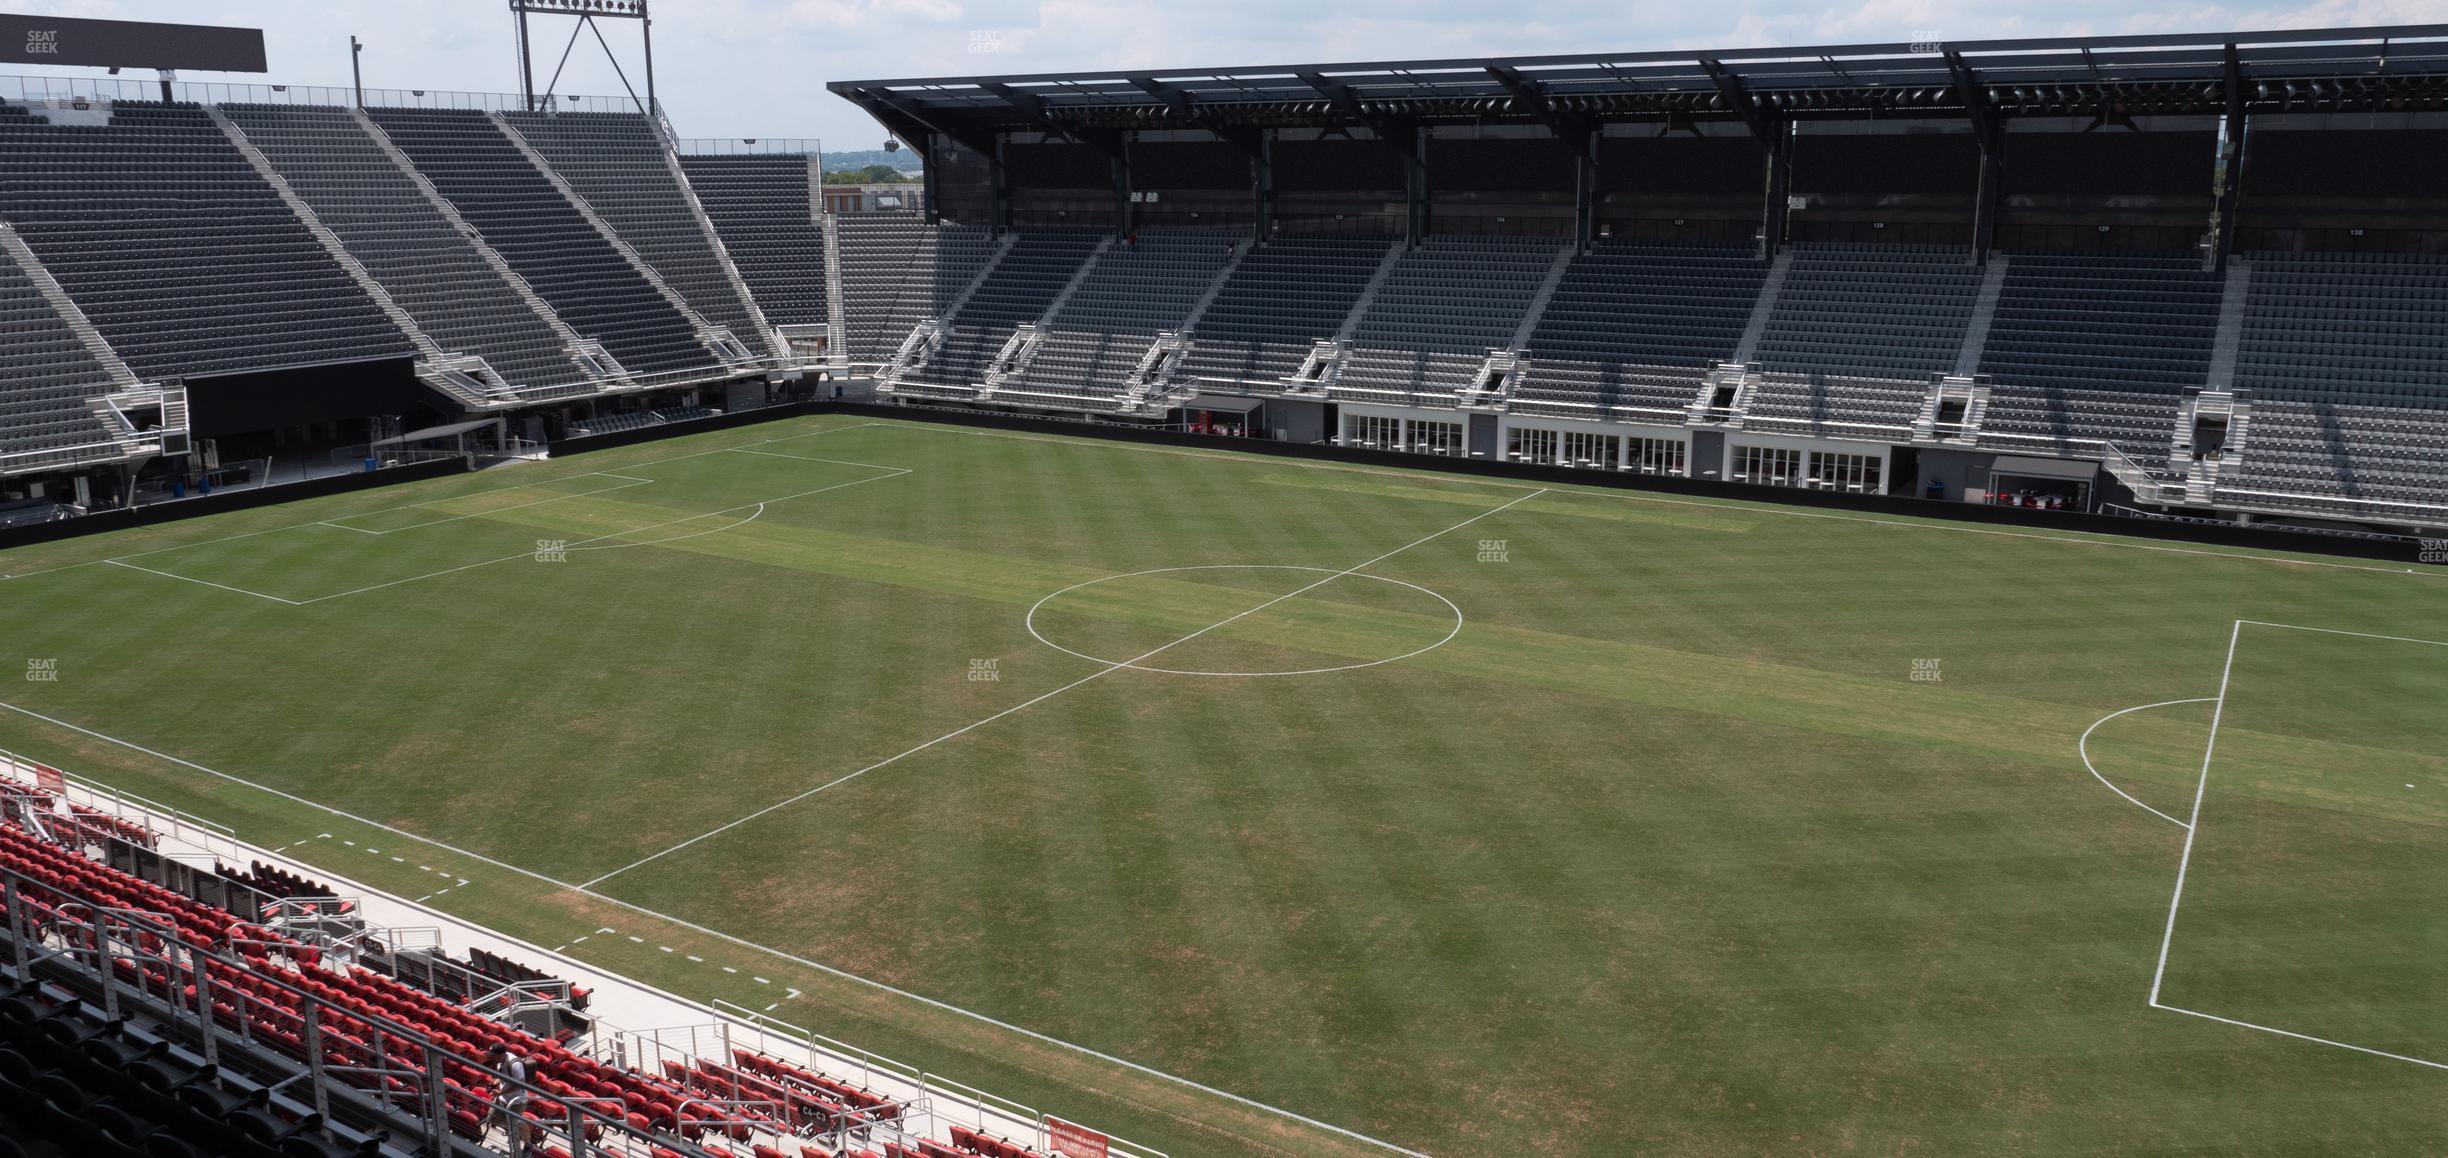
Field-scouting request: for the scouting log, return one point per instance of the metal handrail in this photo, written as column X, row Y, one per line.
column 185, row 965
column 750, row 146
column 72, row 88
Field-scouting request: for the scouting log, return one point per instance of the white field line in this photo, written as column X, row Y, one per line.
column 2193, row 824
column 2356, row 634
column 2302, row 1036
column 631, row 482
column 1427, row 472
column 813, row 458
column 202, row 582
column 1109, row 668
column 2168, row 937
column 742, row 942
column 2082, row 748
column 751, row 517
column 451, row 498
column 582, row 543
column 1030, row 621
column 48, row 570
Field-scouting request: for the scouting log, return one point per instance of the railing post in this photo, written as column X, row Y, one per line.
column 208, row 1029
column 314, row 1064
column 110, row 976
column 437, row 1102
column 19, row 931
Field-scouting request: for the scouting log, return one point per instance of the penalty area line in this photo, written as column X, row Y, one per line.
column 717, row 934
column 202, row 582
column 2156, row 1004
column 605, row 539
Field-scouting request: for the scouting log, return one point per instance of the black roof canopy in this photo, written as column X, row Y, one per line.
column 2304, row 70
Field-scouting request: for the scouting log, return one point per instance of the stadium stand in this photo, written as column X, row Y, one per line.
column 1446, row 304
column 579, row 256
column 1840, row 407
column 1890, row 311
column 48, row 379
column 620, row 164
column 898, row 271
column 176, row 249
column 1286, row 295
column 760, row 207
column 2344, row 459
column 2138, row 323
column 2364, row 329
column 1693, row 302
column 329, row 1037
column 1131, row 295
column 545, row 239
column 1020, row 288
column 428, row 268
column 2062, row 420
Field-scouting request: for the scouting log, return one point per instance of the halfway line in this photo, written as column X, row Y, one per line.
column 2193, row 823
column 1109, row 669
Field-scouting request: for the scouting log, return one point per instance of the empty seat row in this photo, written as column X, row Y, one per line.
column 1286, row 295
column 386, row 223
column 179, row 252
column 618, row 162
column 761, row 208
column 544, row 238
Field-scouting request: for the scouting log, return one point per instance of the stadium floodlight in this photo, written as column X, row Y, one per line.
column 585, row 12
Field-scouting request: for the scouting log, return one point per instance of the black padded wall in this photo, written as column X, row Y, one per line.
column 1681, row 165
column 2347, row 163
column 1188, row 165
column 1944, row 164
column 2109, row 161
column 1058, row 165
column 1507, row 165
column 1335, row 166
column 230, row 404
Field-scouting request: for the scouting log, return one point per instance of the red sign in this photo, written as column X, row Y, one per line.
column 1075, row 1141
column 50, row 780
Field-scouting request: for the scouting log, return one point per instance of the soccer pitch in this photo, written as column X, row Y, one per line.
column 1475, row 816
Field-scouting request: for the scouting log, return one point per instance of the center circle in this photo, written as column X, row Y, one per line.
column 1139, row 664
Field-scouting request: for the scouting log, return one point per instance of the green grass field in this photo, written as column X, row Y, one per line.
column 1660, row 836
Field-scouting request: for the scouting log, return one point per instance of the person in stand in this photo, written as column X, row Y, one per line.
column 510, row 1099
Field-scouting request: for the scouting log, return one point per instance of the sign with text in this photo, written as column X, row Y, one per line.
column 1075, row 1141
column 131, row 44
column 50, row 780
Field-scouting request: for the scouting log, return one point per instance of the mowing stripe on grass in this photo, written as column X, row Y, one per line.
column 1762, row 506
column 1109, row 669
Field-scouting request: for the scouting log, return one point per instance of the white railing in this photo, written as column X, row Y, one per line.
column 2136, row 477
column 56, row 456
column 217, row 839
column 2432, row 512
column 740, row 146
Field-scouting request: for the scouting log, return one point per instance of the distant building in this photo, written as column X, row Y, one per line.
column 879, row 198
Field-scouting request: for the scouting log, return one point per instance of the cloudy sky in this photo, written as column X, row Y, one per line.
column 730, row 68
